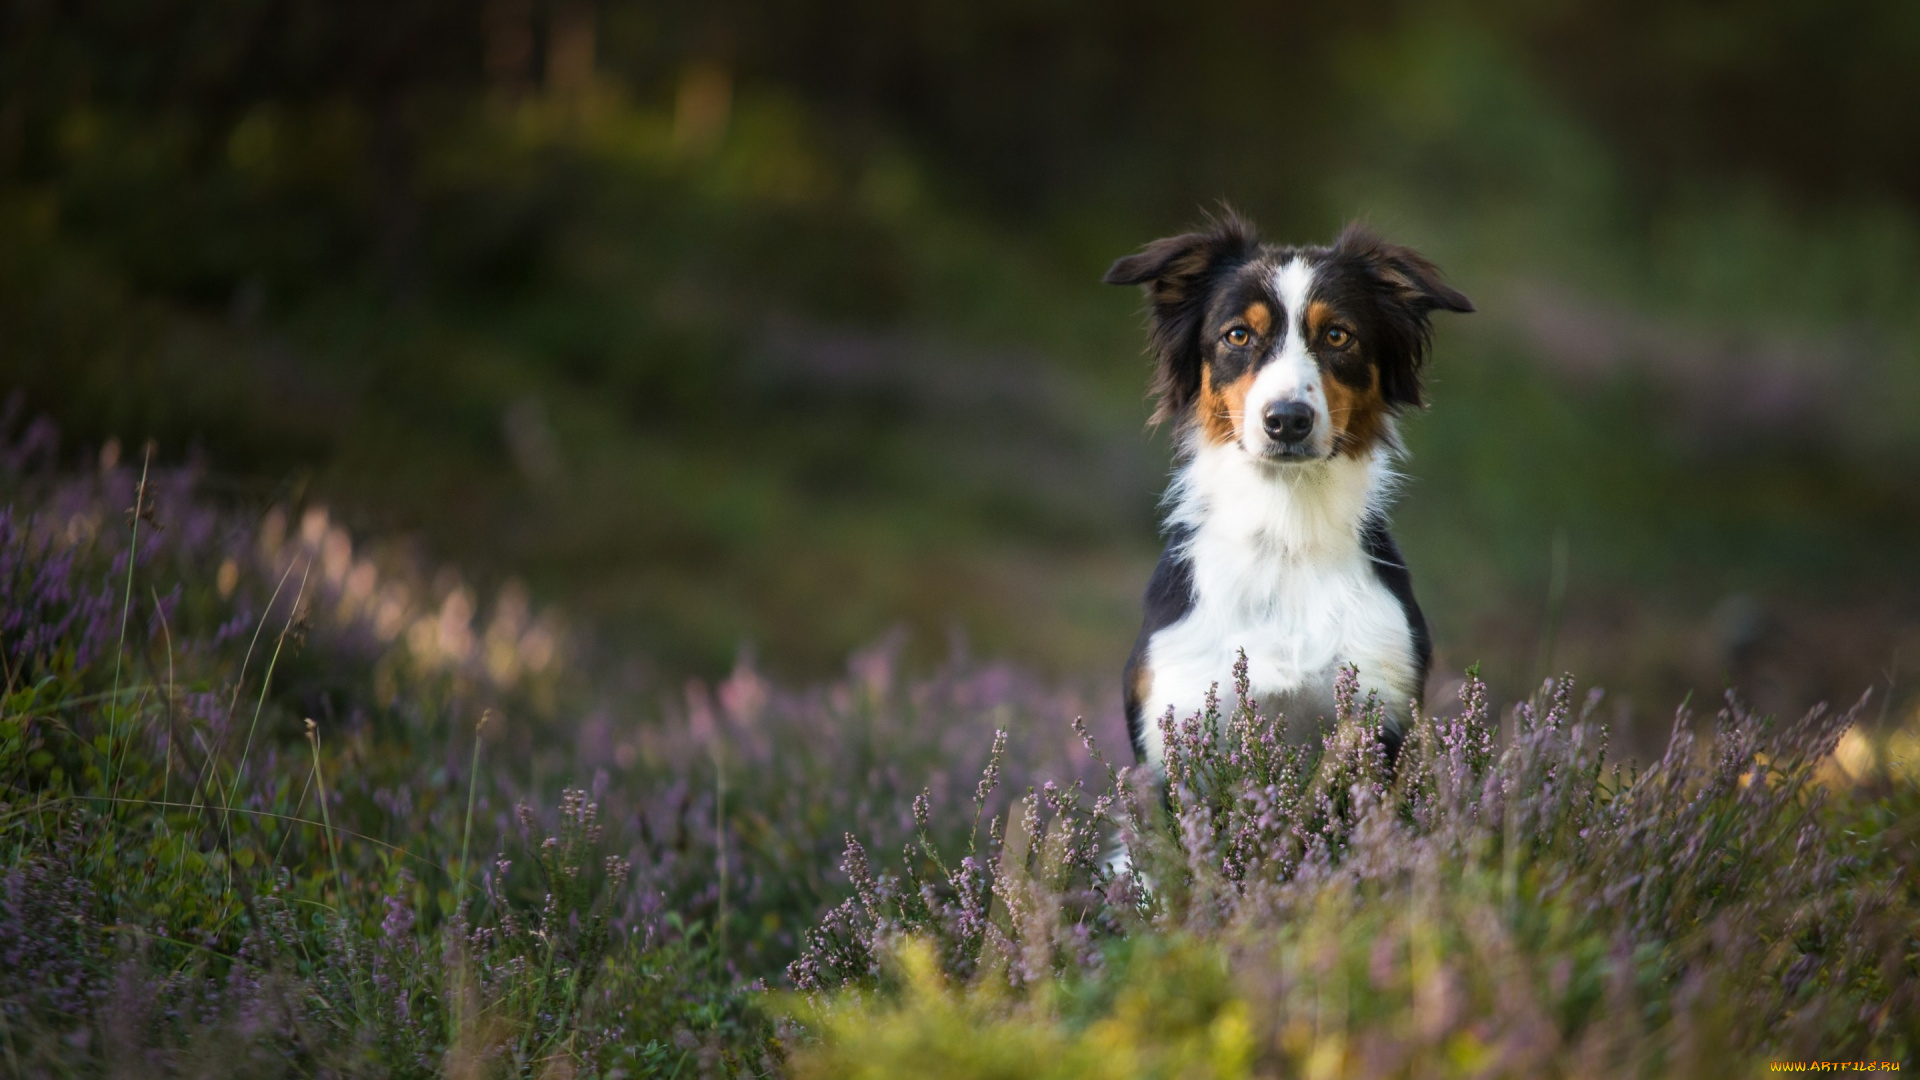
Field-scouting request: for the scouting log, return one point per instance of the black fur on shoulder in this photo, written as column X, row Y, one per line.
column 1177, row 274
column 1390, row 567
column 1168, row 600
column 1407, row 289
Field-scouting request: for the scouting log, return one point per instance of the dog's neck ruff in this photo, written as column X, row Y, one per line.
column 1275, row 562
column 1248, row 522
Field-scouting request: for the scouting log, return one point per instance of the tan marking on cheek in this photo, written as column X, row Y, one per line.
column 1221, row 407
column 1259, row 317
column 1359, row 415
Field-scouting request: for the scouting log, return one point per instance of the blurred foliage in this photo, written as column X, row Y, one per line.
column 776, row 324
column 1028, row 105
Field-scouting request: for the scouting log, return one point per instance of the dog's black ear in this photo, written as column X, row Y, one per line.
column 1408, row 289
column 1177, row 274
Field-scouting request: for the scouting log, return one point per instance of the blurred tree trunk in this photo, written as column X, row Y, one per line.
column 570, row 48
column 507, row 27
column 702, row 106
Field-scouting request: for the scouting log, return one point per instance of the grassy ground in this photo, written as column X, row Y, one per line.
column 277, row 803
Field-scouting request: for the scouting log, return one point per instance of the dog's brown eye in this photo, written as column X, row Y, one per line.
column 1338, row 338
column 1238, row 337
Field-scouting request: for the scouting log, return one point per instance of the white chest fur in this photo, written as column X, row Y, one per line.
column 1279, row 570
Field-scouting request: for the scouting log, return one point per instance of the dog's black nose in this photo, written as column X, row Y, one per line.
column 1288, row 421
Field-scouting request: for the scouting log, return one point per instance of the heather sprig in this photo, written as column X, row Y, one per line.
column 1518, row 894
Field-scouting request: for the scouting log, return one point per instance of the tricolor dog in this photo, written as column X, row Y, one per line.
column 1284, row 370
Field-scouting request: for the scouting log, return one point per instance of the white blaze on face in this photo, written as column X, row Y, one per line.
column 1290, row 372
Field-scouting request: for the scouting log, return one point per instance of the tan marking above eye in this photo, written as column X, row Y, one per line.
column 1338, row 337
column 1259, row 318
column 1319, row 315
column 1238, row 337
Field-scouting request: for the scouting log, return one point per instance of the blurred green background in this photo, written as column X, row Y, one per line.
column 775, row 326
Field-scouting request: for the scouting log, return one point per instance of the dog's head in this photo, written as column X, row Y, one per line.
column 1291, row 354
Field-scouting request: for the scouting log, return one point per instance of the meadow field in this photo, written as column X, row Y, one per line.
column 278, row 803
column 565, row 538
